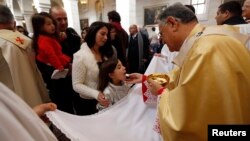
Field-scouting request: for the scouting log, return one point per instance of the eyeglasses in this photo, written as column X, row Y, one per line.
column 161, row 33
column 164, row 24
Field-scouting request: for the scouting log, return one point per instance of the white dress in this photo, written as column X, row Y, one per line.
column 114, row 93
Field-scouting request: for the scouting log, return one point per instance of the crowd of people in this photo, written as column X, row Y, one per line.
column 210, row 83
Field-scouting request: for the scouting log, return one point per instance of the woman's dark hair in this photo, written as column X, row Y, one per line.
column 106, row 49
column 38, row 21
column 110, row 26
column 106, row 67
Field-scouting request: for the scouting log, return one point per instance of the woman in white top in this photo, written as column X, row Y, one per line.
column 85, row 69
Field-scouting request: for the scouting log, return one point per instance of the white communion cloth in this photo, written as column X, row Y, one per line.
column 130, row 119
column 18, row 122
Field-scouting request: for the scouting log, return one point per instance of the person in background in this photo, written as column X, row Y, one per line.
column 70, row 42
column 22, row 30
column 84, row 33
column 229, row 13
column 113, row 32
column 246, row 11
column 138, row 51
column 18, row 68
column 86, row 62
column 122, row 36
column 49, row 56
column 112, row 78
column 46, row 42
column 200, row 80
column 116, row 42
column 161, row 45
column 144, row 31
column 154, row 41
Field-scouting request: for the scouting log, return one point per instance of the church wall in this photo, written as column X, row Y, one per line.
column 109, row 5
column 137, row 17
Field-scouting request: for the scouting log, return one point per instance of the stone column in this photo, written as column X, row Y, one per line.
column 27, row 18
column 42, row 5
column 71, row 7
column 19, row 20
column 127, row 11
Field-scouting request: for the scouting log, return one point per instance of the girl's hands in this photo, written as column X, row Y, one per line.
column 101, row 99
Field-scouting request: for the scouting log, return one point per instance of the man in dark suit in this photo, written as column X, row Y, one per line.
column 64, row 95
column 138, row 51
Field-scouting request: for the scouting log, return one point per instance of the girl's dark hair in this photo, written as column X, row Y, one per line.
column 106, row 68
column 38, row 21
column 106, row 49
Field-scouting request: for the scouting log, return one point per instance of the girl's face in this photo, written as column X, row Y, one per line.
column 119, row 74
column 101, row 36
column 48, row 26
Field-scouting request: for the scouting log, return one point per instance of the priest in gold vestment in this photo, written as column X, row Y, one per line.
column 211, row 84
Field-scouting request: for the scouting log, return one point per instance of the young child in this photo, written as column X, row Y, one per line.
column 46, row 42
column 112, row 78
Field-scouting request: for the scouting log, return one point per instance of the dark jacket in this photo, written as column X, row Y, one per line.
column 72, row 43
column 235, row 20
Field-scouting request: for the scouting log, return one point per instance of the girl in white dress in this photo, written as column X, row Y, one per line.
column 112, row 78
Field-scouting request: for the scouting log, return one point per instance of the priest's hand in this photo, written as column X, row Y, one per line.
column 134, row 78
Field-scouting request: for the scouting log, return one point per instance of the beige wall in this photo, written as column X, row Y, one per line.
column 208, row 18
